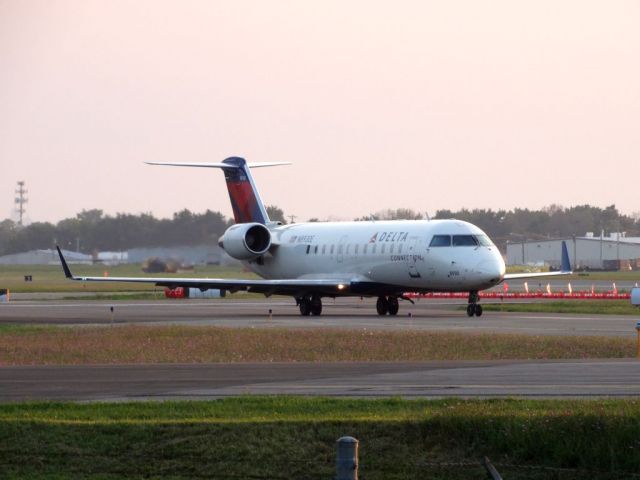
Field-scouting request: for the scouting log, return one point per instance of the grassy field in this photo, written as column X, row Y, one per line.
column 603, row 307
column 291, row 437
column 50, row 278
column 191, row 344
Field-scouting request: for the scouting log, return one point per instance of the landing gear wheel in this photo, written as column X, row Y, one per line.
column 473, row 308
column 393, row 305
column 305, row 306
column 316, row 305
column 382, row 306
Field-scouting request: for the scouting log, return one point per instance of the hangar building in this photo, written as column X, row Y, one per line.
column 44, row 257
column 615, row 252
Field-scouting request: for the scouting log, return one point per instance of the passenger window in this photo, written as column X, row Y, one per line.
column 373, row 249
column 332, row 249
column 308, row 248
column 364, row 250
column 348, row 248
column 315, row 250
column 357, row 248
column 464, row 241
column 440, row 241
column 383, row 248
column 400, row 248
column 324, row 249
column 340, row 249
column 393, row 245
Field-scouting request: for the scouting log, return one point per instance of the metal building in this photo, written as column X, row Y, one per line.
column 196, row 255
column 615, row 252
column 44, row 257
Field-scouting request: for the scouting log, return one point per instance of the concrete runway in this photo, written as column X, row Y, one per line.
column 434, row 315
column 426, row 379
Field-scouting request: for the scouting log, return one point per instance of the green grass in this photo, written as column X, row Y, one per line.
column 292, row 437
column 20, row 329
column 589, row 307
column 50, row 278
column 193, row 344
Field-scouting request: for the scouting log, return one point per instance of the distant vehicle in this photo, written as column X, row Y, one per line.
column 635, row 296
column 311, row 261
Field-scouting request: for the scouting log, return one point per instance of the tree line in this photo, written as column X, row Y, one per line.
column 92, row 230
column 520, row 224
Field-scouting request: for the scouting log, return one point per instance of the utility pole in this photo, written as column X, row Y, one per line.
column 21, row 200
column 293, row 218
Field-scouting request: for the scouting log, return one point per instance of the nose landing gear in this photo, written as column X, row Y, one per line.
column 474, row 307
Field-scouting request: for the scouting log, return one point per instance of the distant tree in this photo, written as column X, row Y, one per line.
column 276, row 214
column 313, row 220
column 8, row 229
column 391, row 214
column 92, row 216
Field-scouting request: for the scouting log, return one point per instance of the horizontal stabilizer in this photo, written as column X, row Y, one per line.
column 219, row 165
column 245, row 200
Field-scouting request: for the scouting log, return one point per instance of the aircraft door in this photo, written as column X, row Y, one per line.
column 413, row 256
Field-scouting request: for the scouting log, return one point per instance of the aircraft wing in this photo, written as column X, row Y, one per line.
column 516, row 276
column 564, row 270
column 269, row 287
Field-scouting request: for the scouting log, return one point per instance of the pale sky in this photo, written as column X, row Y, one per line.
column 378, row 104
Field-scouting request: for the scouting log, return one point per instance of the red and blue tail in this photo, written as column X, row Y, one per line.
column 245, row 199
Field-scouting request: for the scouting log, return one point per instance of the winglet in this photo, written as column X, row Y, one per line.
column 566, row 264
column 65, row 267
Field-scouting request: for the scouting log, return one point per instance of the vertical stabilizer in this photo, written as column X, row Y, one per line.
column 245, row 199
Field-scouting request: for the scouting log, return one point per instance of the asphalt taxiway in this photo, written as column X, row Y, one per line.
column 597, row 378
column 424, row 379
column 425, row 315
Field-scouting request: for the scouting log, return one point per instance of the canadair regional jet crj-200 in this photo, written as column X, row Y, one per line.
column 309, row 261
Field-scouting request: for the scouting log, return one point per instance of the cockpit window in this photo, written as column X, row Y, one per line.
column 484, row 240
column 464, row 241
column 440, row 241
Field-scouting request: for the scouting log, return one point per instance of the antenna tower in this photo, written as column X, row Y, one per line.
column 21, row 200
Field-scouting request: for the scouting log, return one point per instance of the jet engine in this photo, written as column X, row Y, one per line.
column 246, row 241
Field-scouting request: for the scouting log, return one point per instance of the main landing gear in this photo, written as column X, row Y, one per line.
column 388, row 305
column 310, row 305
column 474, row 307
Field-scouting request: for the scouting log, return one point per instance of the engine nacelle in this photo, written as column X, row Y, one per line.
column 246, row 241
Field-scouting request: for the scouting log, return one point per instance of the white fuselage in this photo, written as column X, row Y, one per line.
column 400, row 253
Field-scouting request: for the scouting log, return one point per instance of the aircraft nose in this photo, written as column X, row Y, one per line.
column 492, row 270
